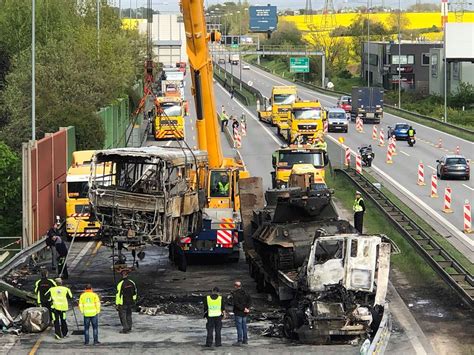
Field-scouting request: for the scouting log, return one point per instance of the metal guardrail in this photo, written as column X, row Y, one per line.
column 394, row 108
column 453, row 273
column 382, row 336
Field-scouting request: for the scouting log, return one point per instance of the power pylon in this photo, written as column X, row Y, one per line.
column 459, row 7
column 308, row 12
column 328, row 20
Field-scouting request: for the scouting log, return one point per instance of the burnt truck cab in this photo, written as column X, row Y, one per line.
column 340, row 290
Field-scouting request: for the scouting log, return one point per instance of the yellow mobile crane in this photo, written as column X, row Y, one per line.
column 221, row 230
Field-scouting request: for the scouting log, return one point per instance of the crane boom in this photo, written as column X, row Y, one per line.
column 197, row 47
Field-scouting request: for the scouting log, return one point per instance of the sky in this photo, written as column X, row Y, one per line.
column 172, row 5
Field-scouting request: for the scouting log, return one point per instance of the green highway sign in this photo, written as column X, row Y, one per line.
column 299, row 65
column 234, row 46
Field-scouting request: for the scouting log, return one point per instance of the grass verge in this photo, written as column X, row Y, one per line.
column 408, row 261
column 450, row 249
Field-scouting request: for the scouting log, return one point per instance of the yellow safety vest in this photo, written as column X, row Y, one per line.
column 214, row 307
column 119, row 296
column 223, row 188
column 37, row 291
column 89, row 304
column 357, row 207
column 59, row 296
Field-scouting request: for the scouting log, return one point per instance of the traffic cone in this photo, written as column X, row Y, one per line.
column 394, row 146
column 381, row 138
column 326, row 126
column 421, row 174
column 358, row 164
column 457, row 151
column 434, row 186
column 389, row 155
column 243, row 129
column 347, row 158
column 447, row 200
column 467, row 217
column 374, row 133
column 440, row 143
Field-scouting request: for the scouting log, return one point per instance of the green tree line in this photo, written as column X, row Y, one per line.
column 75, row 76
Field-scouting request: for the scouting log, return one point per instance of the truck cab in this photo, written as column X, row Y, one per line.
column 283, row 97
column 285, row 158
column 169, row 119
column 306, row 119
column 80, row 221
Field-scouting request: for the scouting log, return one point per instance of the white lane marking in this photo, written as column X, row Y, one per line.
column 461, row 236
column 401, row 151
column 429, row 166
column 469, row 187
column 259, row 71
column 168, row 144
column 269, row 132
column 79, row 256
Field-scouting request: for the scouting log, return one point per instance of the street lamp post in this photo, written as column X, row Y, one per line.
column 399, row 55
column 368, row 43
column 240, row 50
column 33, row 67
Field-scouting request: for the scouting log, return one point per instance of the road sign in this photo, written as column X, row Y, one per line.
column 299, row 65
column 263, row 18
column 234, row 46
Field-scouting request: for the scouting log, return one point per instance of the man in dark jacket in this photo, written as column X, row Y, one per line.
column 213, row 311
column 241, row 301
column 62, row 251
column 125, row 298
column 42, row 286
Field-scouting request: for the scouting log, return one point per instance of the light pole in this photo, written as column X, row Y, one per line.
column 399, row 55
column 240, row 50
column 368, row 43
column 33, row 68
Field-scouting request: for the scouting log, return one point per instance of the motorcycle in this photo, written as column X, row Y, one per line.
column 366, row 154
column 411, row 141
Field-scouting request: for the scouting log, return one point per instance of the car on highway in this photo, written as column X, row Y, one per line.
column 345, row 102
column 451, row 166
column 221, row 61
column 337, row 120
column 400, row 131
column 245, row 67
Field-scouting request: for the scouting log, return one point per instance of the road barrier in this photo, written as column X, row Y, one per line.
column 394, row 146
column 326, row 126
column 243, row 129
column 374, row 133
column 381, row 138
column 434, row 186
column 453, row 273
column 458, row 150
column 447, row 200
column 421, row 174
column 359, row 125
column 440, row 143
column 359, row 164
column 467, row 217
column 389, row 160
column 237, row 138
column 347, row 158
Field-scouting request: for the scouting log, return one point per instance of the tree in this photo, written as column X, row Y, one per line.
column 10, row 192
column 393, row 24
column 424, row 8
column 463, row 97
column 335, row 50
column 286, row 34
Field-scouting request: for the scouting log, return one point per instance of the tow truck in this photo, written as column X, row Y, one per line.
column 279, row 109
column 306, row 119
column 169, row 119
column 286, row 157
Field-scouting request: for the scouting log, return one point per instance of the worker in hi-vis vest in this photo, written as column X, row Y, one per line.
column 89, row 305
column 214, row 312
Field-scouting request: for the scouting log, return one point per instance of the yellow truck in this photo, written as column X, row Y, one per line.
column 306, row 119
column 79, row 220
column 169, row 119
column 279, row 109
column 285, row 158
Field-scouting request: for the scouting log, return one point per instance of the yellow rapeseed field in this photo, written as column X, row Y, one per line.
column 416, row 20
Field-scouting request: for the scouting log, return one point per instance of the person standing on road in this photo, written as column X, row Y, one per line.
column 235, row 123
column 62, row 251
column 42, row 286
column 59, row 297
column 224, row 119
column 125, row 298
column 89, row 305
column 214, row 311
column 232, row 91
column 359, row 210
column 241, row 301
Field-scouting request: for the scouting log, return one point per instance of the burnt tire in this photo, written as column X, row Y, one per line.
column 291, row 322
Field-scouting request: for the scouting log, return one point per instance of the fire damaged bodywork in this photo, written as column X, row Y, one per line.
column 333, row 279
column 153, row 195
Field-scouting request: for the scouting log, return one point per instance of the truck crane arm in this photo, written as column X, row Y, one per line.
column 197, row 40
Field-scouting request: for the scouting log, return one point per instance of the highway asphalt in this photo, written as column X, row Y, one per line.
column 402, row 173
